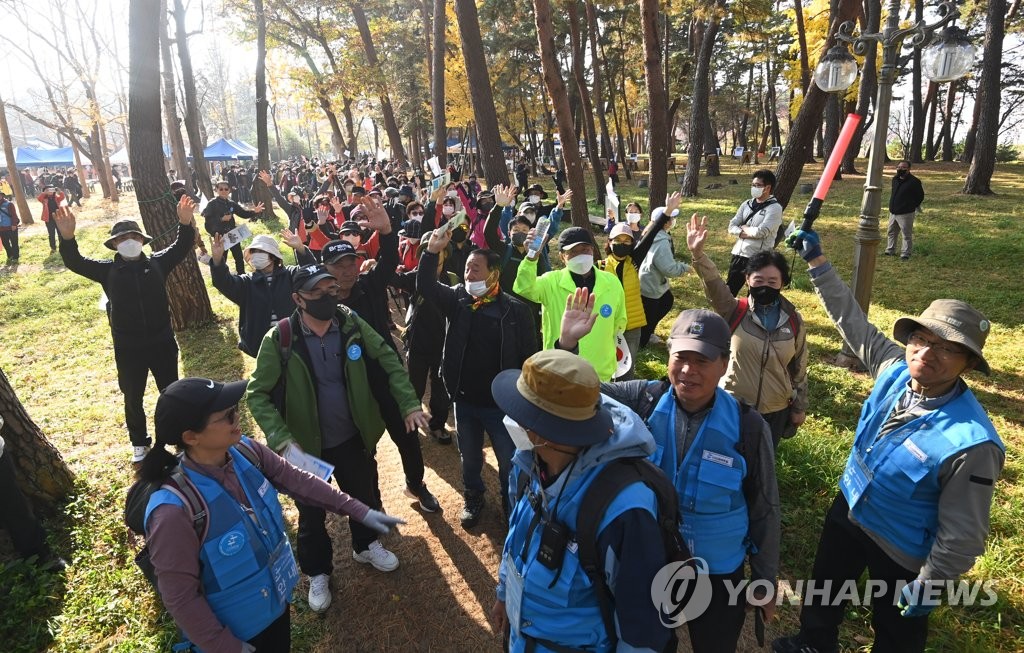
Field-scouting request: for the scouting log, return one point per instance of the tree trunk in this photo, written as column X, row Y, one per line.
column 947, row 122
column 560, row 99
column 437, row 83
column 40, row 471
column 170, row 99
column 277, row 131
column 598, row 63
column 186, row 290
column 917, row 103
column 805, row 68
column 586, row 106
column 931, row 104
column 657, row 103
column 80, row 169
column 196, row 142
column 485, row 117
column 24, row 213
column 972, row 134
column 350, row 126
column 868, row 86
column 260, row 191
column 387, row 112
column 801, row 135
column 983, row 161
column 699, row 118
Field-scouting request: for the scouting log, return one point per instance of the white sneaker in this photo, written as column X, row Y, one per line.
column 138, row 453
column 378, row 556
column 319, row 592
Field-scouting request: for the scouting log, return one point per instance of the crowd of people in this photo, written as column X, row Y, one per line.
column 396, row 282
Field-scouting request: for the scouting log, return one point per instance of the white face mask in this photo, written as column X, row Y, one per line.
column 580, row 264
column 518, row 434
column 130, row 248
column 756, row 192
column 448, row 210
column 477, row 288
column 633, row 218
column 452, row 193
column 259, row 260
column 534, row 199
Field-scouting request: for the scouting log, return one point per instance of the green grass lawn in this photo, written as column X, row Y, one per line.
column 55, row 347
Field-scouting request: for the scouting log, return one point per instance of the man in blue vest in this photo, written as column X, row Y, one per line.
column 719, row 456
column 565, row 433
column 914, row 500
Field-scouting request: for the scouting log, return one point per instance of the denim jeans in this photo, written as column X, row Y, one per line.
column 471, row 421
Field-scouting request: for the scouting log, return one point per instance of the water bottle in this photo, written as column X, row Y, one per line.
column 539, row 234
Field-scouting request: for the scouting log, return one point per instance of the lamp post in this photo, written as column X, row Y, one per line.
column 948, row 58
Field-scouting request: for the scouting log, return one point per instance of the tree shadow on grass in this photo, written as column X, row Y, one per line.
column 31, row 596
column 212, row 352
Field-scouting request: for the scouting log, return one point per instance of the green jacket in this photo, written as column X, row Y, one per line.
column 371, row 369
column 551, row 289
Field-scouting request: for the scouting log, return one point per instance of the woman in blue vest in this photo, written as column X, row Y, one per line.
column 229, row 589
column 915, row 496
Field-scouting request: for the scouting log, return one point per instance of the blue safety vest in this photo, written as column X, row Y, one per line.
column 709, row 481
column 892, row 483
column 248, row 571
column 562, row 606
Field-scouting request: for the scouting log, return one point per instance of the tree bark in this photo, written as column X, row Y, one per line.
column 972, row 134
column 560, row 99
column 485, row 117
column 657, row 103
column 260, row 191
column 868, row 86
column 437, row 82
column 598, row 63
column 801, row 34
column 931, row 105
column 808, row 119
column 24, row 213
column 699, row 117
column 586, row 106
column 983, row 161
column 170, row 99
column 196, row 142
column 947, row 122
column 76, row 153
column 39, row 470
column 387, row 112
column 350, row 125
column 917, row 102
column 186, row 290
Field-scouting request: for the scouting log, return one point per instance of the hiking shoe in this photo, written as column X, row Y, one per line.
column 428, row 502
column 378, row 556
column 905, row 257
column 138, row 453
column 441, row 436
column 319, row 592
column 474, row 507
column 888, row 253
column 796, row 644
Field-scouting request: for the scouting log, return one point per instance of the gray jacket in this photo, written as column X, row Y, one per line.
column 964, row 506
column 660, row 264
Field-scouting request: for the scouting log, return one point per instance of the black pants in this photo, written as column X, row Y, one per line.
column 236, row 253
column 16, row 515
column 780, row 425
column 134, row 363
column 355, row 470
column 51, row 232
column 10, row 243
column 737, row 275
column 277, row 637
column 718, row 629
column 655, row 310
column 844, row 550
column 408, row 442
column 420, row 367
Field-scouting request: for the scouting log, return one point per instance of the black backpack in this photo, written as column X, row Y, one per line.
column 178, row 482
column 616, row 476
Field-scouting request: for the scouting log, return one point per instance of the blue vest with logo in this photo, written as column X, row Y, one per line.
column 562, row 606
column 709, row 480
column 247, row 571
column 892, row 483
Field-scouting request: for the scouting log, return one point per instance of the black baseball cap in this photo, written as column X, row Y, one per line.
column 186, row 403
column 336, row 250
column 350, row 227
column 574, row 236
column 700, row 331
column 306, row 277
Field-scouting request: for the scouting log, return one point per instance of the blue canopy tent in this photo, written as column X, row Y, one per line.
column 229, row 150
column 25, row 157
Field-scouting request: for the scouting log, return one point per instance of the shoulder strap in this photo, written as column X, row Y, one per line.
column 742, row 306
column 750, row 444
column 249, row 454
column 609, row 483
column 184, row 488
column 284, row 343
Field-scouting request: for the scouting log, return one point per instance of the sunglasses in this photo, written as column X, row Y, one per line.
column 228, row 417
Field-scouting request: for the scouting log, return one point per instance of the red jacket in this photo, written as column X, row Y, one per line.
column 58, row 196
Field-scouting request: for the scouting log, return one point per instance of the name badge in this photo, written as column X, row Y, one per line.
column 283, row 570
column 513, row 594
column 856, row 478
column 915, row 450
column 715, row 457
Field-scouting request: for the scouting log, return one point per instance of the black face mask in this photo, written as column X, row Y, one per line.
column 902, row 173
column 621, row 250
column 459, row 236
column 366, row 233
column 323, row 308
column 519, row 238
column 764, row 295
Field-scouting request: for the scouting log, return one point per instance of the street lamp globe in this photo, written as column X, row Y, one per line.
column 836, row 70
column 949, row 56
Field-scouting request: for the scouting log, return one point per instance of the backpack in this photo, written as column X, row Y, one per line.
column 178, row 482
column 606, row 486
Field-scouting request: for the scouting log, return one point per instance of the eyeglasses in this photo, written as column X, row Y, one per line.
column 228, row 417
column 331, row 290
column 220, row 188
column 940, row 348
